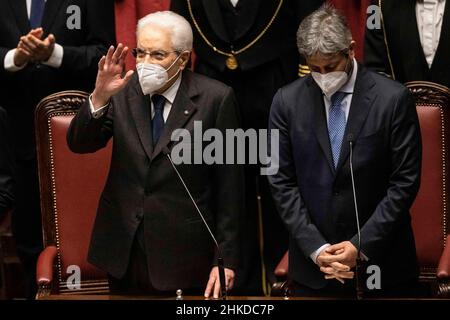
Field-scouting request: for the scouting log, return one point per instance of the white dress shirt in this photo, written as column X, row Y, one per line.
column 430, row 16
column 234, row 2
column 54, row 61
column 169, row 94
column 348, row 87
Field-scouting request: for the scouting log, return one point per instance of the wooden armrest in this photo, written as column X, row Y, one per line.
column 281, row 271
column 44, row 268
column 443, row 270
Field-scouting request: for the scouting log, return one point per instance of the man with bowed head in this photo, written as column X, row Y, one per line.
column 343, row 109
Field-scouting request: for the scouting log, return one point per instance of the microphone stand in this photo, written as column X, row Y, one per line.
column 359, row 287
column 220, row 263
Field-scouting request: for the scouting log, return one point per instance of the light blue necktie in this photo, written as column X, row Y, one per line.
column 37, row 12
column 336, row 125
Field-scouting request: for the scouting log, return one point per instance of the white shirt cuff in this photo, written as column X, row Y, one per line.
column 9, row 62
column 99, row 112
column 316, row 253
column 56, row 58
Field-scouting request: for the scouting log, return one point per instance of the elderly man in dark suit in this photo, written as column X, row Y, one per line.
column 250, row 46
column 148, row 236
column 46, row 46
column 317, row 118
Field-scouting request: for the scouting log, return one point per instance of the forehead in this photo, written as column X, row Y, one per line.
column 154, row 37
column 322, row 61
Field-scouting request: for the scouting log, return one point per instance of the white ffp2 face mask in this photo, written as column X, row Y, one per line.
column 153, row 76
column 331, row 82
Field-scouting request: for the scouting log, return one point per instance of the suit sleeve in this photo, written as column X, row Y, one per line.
column 375, row 51
column 229, row 192
column 285, row 190
column 87, row 134
column 404, row 182
column 3, row 52
column 100, row 34
column 6, row 167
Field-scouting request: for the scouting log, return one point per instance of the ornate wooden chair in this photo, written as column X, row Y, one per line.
column 70, row 186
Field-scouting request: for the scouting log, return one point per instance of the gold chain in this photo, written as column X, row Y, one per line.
column 233, row 62
column 386, row 41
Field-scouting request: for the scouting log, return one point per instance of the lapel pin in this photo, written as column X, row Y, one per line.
column 186, row 112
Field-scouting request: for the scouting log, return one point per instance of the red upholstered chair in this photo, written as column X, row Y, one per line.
column 70, row 186
column 430, row 216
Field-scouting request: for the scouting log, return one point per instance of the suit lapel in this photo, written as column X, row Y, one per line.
column 215, row 19
column 19, row 9
column 141, row 113
column 50, row 13
column 444, row 40
column 362, row 101
column 320, row 121
column 408, row 23
column 247, row 15
column 182, row 110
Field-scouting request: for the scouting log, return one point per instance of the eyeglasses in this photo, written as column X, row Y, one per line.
column 158, row 55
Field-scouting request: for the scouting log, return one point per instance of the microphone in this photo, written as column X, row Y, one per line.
column 359, row 289
column 220, row 264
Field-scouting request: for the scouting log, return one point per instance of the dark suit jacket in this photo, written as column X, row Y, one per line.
column 224, row 29
column 142, row 186
column 402, row 35
column 316, row 201
column 6, row 166
column 265, row 67
column 83, row 48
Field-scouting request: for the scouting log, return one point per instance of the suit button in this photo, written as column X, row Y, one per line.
column 336, row 192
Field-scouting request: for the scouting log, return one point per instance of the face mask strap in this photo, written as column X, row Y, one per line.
column 170, row 79
column 176, row 74
column 173, row 63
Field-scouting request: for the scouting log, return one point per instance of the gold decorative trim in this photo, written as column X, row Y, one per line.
column 231, row 62
column 386, row 41
column 444, row 175
column 53, row 183
column 303, row 70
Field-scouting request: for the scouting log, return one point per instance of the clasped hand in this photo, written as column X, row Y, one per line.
column 32, row 48
column 336, row 261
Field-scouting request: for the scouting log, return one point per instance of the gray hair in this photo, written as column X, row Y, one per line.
column 325, row 32
column 179, row 27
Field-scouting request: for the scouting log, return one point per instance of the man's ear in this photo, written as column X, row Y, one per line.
column 351, row 49
column 184, row 58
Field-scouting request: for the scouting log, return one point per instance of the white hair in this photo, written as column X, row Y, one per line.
column 181, row 31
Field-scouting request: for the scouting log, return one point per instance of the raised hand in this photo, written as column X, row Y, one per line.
column 109, row 77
